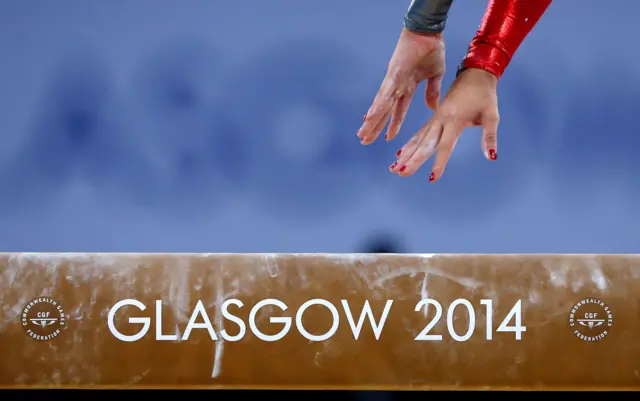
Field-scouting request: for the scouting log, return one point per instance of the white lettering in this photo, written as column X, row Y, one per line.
column 472, row 320
column 488, row 303
column 199, row 310
column 366, row 313
column 515, row 313
column 423, row 336
column 334, row 315
column 146, row 322
column 285, row 320
column 159, row 335
column 227, row 315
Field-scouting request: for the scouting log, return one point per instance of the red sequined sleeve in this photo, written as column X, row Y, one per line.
column 504, row 26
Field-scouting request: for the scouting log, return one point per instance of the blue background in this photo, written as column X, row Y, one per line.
column 230, row 126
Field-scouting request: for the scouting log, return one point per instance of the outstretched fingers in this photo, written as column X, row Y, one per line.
column 398, row 115
column 405, row 153
column 379, row 112
column 448, row 141
column 420, row 148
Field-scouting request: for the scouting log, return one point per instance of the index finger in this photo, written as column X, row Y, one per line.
column 379, row 112
column 450, row 135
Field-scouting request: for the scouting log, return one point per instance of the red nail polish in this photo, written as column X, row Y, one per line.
column 394, row 165
column 398, row 153
column 493, row 155
column 403, row 168
column 432, row 177
column 385, row 137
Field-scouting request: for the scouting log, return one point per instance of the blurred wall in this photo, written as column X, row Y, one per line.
column 226, row 126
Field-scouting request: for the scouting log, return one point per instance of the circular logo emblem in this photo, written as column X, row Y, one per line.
column 590, row 319
column 43, row 319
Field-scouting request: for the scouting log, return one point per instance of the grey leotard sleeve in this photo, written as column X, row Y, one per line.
column 427, row 16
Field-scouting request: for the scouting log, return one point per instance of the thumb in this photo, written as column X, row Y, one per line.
column 490, row 137
column 432, row 94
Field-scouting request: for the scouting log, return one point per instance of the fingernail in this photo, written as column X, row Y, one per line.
column 432, row 177
column 493, row 155
column 393, row 166
column 386, row 137
column 364, row 117
column 398, row 153
column 403, row 168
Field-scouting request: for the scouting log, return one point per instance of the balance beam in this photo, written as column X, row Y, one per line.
column 318, row 321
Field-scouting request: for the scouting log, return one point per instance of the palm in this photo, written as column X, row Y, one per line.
column 416, row 58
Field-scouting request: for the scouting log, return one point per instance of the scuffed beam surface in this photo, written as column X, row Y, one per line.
column 545, row 288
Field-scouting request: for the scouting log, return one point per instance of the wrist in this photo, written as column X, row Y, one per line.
column 423, row 43
column 423, row 40
column 479, row 75
column 420, row 34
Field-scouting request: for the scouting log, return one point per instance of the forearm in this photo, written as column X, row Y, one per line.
column 427, row 16
column 506, row 23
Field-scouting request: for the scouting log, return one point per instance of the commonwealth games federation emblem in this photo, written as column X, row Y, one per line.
column 43, row 319
column 591, row 319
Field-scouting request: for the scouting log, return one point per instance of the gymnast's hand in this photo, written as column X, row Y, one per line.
column 472, row 100
column 417, row 57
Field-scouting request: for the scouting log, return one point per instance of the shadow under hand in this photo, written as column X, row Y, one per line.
column 383, row 243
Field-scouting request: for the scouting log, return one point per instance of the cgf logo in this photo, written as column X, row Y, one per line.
column 43, row 319
column 590, row 319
